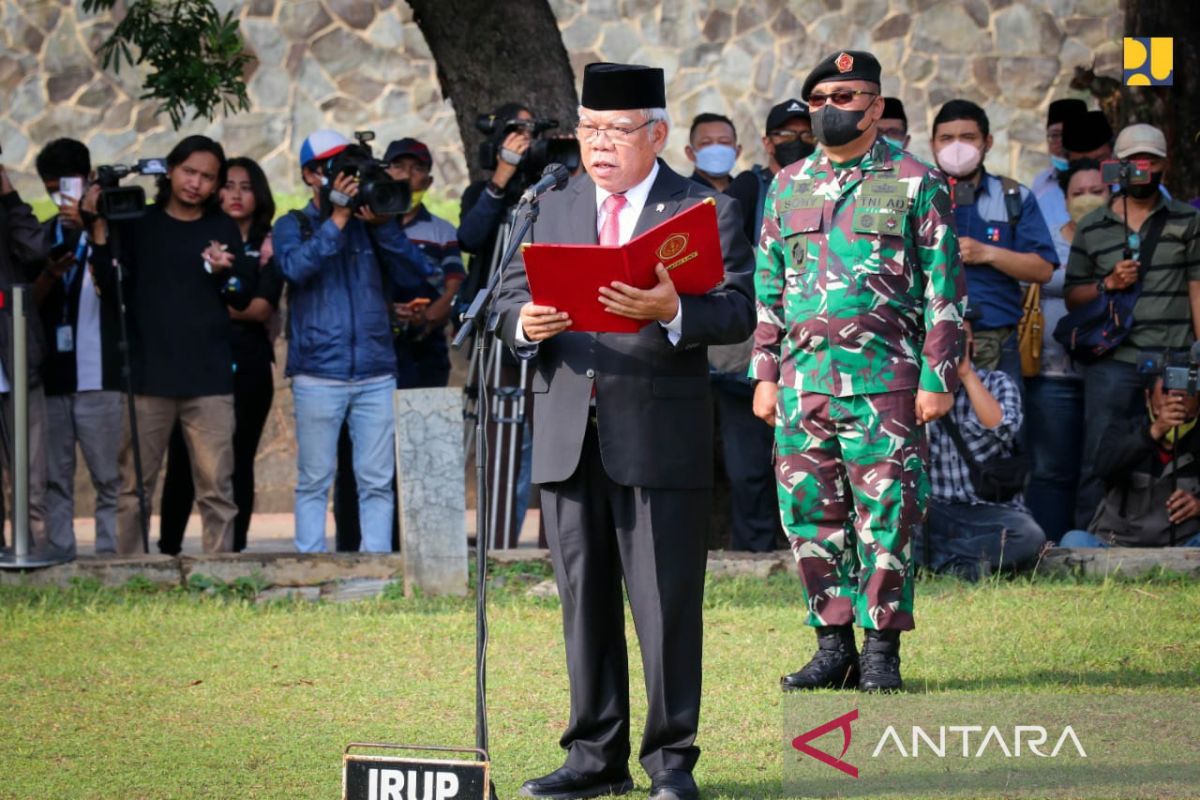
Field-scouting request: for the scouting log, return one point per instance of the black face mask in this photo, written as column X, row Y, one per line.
column 1144, row 191
column 835, row 126
column 791, row 152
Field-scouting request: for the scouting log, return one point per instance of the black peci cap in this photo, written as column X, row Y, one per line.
column 1062, row 110
column 894, row 109
column 1086, row 132
column 844, row 65
column 787, row 110
column 609, row 87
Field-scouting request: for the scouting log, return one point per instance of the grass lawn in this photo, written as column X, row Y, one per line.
column 140, row 693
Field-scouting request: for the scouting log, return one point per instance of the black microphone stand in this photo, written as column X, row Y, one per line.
column 484, row 306
column 127, row 384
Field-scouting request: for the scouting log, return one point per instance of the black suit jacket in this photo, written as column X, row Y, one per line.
column 653, row 406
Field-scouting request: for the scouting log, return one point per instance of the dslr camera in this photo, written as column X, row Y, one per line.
column 542, row 151
column 377, row 191
column 1125, row 173
column 1180, row 371
column 119, row 203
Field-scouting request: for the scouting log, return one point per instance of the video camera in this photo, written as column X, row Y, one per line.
column 377, row 190
column 1180, row 372
column 542, row 151
column 119, row 203
column 1125, row 173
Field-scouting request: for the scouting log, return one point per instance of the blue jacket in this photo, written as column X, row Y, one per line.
column 339, row 323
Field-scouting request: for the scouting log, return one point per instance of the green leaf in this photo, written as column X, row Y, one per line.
column 196, row 57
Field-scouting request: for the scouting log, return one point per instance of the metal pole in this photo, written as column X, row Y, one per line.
column 20, row 399
column 23, row 554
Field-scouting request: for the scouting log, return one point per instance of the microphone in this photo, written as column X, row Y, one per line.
column 554, row 177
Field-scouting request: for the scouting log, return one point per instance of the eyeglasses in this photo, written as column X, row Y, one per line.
column 785, row 136
column 841, row 97
column 616, row 134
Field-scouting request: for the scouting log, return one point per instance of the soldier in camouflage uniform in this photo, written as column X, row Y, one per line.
column 860, row 299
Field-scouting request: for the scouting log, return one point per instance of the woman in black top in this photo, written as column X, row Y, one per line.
column 246, row 197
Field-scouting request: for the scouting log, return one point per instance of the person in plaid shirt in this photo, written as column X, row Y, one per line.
column 967, row 536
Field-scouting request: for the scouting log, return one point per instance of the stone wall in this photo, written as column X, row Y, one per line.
column 353, row 64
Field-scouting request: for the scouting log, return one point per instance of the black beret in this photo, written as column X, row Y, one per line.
column 894, row 109
column 787, row 110
column 844, row 65
column 1061, row 110
column 1083, row 133
column 610, row 87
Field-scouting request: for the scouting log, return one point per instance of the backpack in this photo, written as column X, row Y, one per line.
column 1033, row 321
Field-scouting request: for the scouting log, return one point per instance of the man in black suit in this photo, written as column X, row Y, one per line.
column 623, row 449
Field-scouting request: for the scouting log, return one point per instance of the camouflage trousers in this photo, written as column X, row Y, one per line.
column 853, row 485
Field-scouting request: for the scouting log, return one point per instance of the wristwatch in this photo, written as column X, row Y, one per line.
column 1100, row 287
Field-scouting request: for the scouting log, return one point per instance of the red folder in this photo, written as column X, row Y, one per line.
column 569, row 276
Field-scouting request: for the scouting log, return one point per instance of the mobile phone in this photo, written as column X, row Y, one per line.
column 59, row 250
column 71, row 188
column 1125, row 172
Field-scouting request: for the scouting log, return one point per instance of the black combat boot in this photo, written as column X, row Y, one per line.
column 880, row 662
column 834, row 666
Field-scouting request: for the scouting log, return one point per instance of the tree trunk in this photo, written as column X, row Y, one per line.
column 1175, row 109
column 489, row 53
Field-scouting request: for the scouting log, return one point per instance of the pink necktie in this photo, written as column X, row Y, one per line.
column 610, row 231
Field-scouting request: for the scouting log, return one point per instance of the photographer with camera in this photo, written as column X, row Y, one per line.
column 485, row 203
column 343, row 256
column 422, row 347
column 182, row 266
column 23, row 251
column 82, row 370
column 977, row 521
column 1143, row 249
column 1149, row 466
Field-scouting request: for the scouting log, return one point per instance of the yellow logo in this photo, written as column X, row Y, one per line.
column 673, row 246
column 1149, row 61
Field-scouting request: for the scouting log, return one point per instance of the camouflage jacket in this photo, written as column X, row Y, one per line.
column 860, row 287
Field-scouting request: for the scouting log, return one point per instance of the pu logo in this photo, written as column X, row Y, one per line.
column 1149, row 61
column 841, row 723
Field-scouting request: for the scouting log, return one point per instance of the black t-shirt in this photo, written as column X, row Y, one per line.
column 179, row 327
column 252, row 340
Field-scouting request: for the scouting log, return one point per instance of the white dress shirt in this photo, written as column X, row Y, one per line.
column 627, row 217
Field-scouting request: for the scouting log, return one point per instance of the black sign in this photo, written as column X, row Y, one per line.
column 379, row 778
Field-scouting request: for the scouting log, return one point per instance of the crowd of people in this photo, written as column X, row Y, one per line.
column 1046, row 441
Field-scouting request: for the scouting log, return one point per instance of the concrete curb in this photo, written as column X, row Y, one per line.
column 327, row 571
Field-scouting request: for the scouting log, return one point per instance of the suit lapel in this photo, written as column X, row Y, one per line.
column 668, row 193
column 582, row 214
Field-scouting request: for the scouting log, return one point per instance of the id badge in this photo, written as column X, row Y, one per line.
column 65, row 338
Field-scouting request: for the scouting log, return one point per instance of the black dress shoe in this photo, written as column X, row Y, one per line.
column 833, row 666
column 567, row 784
column 880, row 662
column 673, row 784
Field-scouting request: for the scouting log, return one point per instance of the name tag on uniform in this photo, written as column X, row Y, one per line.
column 889, row 195
column 64, row 339
column 800, row 198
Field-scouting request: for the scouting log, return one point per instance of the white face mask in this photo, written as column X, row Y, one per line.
column 716, row 159
column 959, row 159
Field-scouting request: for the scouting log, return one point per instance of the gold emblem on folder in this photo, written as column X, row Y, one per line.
column 672, row 246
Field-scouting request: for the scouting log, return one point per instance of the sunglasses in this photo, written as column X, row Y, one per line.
column 841, row 97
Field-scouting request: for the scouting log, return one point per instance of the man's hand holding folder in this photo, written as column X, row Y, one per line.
column 606, row 289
